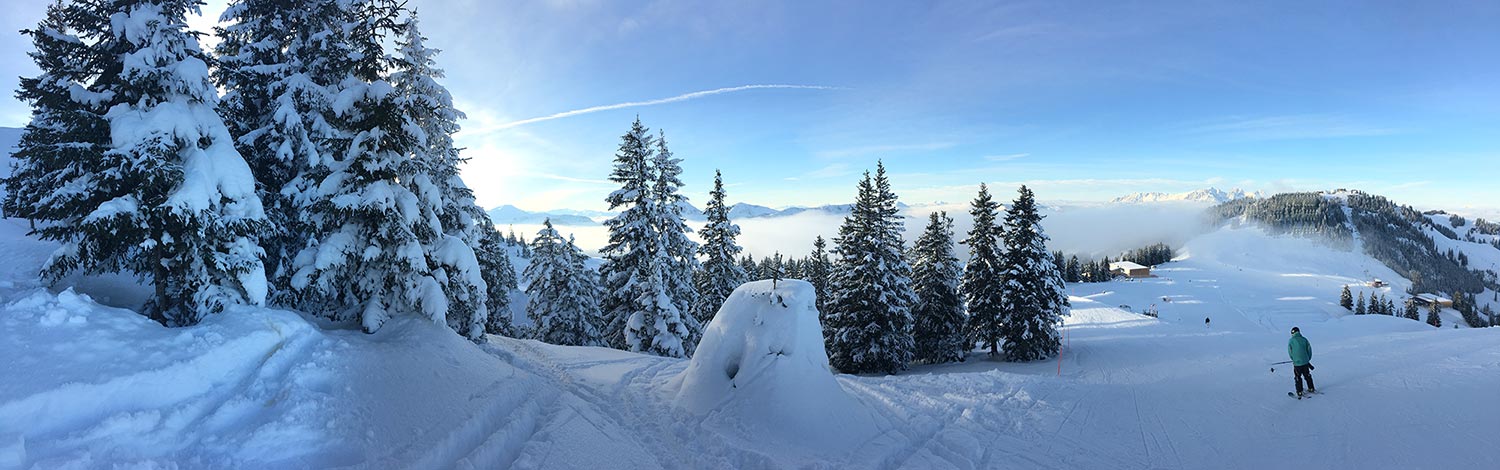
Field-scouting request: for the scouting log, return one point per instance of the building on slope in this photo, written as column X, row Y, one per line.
column 1129, row 269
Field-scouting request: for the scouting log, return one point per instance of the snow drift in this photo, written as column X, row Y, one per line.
column 761, row 371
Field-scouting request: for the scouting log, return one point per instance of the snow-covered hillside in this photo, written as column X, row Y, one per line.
column 1203, row 196
column 93, row 386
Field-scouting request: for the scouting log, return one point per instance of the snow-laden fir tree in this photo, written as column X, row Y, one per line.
column 61, row 148
column 463, row 224
column 377, row 245
column 678, row 252
column 643, row 315
column 168, row 198
column 818, row 270
column 984, row 275
column 721, row 273
column 1359, row 306
column 1346, row 299
column 1033, row 297
column 561, row 291
column 277, row 61
column 1433, row 315
column 1410, row 310
column 938, row 333
column 869, row 323
column 499, row 280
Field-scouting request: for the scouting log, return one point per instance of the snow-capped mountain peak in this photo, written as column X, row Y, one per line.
column 1205, row 196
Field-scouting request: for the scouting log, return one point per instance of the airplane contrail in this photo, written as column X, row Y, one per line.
column 674, row 99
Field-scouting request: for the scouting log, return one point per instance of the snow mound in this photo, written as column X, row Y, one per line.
column 761, row 371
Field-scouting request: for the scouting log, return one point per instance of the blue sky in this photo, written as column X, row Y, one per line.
column 1080, row 100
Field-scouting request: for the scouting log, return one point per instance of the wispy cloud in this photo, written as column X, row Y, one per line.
column 569, row 179
column 830, row 171
column 1006, row 158
column 1293, row 126
column 634, row 104
column 869, row 149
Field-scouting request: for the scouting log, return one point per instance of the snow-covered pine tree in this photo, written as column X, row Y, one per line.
column 752, row 270
column 1359, row 306
column 984, row 275
column 275, row 65
column 1033, row 297
column 721, row 273
column 642, row 314
column 63, row 144
column 1346, row 299
column 938, row 333
column 463, row 224
column 561, row 292
column 819, row 268
column 499, row 280
column 869, row 326
column 373, row 213
column 679, row 253
column 168, row 199
column 1411, row 311
column 1433, row 315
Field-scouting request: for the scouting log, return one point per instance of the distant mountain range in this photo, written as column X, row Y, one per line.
column 509, row 215
column 1205, row 196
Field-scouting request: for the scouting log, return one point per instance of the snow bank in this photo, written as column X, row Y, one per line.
column 761, row 373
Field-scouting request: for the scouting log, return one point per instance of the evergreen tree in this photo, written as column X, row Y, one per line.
column 638, row 303
column 1359, row 306
column 377, row 246
column 1073, row 271
column 1033, row 299
column 463, row 225
column 499, row 280
column 1411, row 312
column 1346, row 299
column 678, row 252
column 819, row 269
column 276, row 65
column 64, row 143
column 136, row 171
column 938, row 333
column 983, row 276
column 751, row 268
column 869, row 327
column 721, row 273
column 1432, row 315
column 561, row 291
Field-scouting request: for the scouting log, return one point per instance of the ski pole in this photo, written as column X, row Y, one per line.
column 1273, row 365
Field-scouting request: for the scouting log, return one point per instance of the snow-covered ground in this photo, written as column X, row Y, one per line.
column 86, row 385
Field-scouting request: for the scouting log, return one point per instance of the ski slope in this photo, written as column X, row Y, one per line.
column 88, row 385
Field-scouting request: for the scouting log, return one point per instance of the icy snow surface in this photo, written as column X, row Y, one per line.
column 85, row 385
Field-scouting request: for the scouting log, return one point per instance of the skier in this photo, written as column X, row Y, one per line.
column 1301, row 353
column 1205, row 322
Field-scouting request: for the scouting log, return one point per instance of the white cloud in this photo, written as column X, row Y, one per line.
column 1006, row 158
column 1285, row 127
column 895, row 148
column 633, row 104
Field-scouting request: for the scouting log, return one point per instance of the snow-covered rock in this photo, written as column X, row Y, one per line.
column 761, row 372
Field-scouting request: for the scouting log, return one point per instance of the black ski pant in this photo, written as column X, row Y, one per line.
column 1301, row 372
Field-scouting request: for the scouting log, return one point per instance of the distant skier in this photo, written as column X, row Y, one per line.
column 1301, row 353
column 1205, row 322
